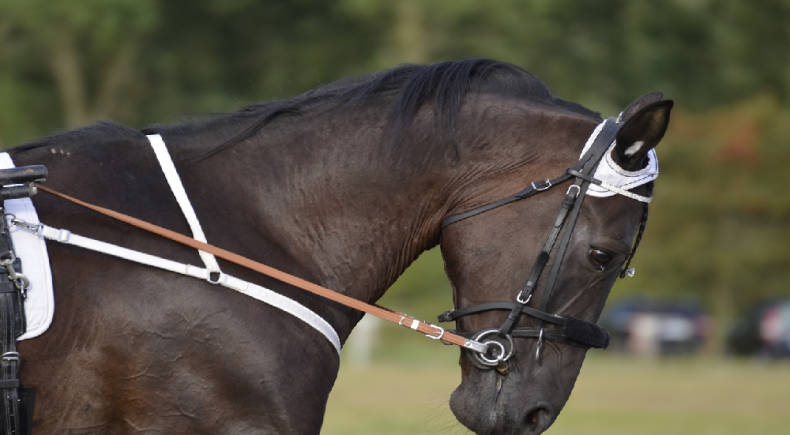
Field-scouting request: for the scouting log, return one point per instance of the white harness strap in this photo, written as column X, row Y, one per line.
column 255, row 291
column 212, row 268
column 174, row 181
column 263, row 294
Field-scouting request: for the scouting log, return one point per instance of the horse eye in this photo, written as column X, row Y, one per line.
column 600, row 258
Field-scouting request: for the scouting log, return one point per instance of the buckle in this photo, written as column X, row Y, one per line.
column 542, row 185
column 11, row 357
column 520, row 298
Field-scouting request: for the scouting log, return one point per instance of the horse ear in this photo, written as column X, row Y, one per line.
column 641, row 132
column 641, row 102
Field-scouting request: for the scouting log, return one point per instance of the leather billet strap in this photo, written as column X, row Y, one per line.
column 428, row 329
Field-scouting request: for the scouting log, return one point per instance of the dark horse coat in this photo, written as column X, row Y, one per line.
column 343, row 186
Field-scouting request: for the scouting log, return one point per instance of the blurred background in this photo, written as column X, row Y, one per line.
column 701, row 334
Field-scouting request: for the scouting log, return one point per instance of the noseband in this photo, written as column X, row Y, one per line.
column 568, row 329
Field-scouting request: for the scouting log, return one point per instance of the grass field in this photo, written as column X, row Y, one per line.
column 406, row 392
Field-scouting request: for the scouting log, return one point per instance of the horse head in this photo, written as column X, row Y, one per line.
column 569, row 263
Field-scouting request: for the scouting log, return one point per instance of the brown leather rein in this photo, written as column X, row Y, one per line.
column 429, row 329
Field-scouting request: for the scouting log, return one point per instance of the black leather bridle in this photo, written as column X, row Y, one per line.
column 568, row 329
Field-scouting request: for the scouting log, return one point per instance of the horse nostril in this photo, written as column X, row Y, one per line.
column 539, row 418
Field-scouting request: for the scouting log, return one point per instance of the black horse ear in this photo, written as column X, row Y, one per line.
column 640, row 133
column 641, row 102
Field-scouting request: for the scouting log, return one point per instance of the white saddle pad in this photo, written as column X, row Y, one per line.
column 40, row 302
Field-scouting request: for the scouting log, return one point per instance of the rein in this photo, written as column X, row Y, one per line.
column 430, row 330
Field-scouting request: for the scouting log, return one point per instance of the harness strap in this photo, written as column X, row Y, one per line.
column 429, row 329
column 174, row 181
column 255, row 291
column 570, row 329
column 597, row 150
column 592, row 159
column 535, row 188
column 449, row 316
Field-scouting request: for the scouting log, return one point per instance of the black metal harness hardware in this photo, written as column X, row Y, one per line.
column 17, row 401
column 567, row 329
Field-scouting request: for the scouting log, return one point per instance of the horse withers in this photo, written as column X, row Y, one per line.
column 343, row 186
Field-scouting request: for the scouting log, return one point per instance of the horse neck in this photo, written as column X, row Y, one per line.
column 350, row 208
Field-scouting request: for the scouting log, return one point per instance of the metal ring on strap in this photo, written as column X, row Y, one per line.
column 502, row 355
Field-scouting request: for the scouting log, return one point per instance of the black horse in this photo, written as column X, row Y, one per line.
column 343, row 186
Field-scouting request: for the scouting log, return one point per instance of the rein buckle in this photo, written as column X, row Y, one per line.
column 542, row 185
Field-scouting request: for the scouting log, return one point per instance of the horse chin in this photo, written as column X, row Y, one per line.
column 516, row 404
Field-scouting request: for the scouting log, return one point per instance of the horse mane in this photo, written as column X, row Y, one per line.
column 408, row 87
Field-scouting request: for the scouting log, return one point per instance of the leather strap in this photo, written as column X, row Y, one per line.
column 593, row 157
column 428, row 329
column 535, row 188
column 252, row 290
column 572, row 331
column 449, row 316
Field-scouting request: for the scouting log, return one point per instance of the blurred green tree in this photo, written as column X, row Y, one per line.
column 719, row 224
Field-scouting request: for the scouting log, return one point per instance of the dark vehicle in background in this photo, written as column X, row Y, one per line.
column 763, row 331
column 657, row 328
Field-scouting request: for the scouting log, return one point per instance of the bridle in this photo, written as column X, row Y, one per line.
column 567, row 329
